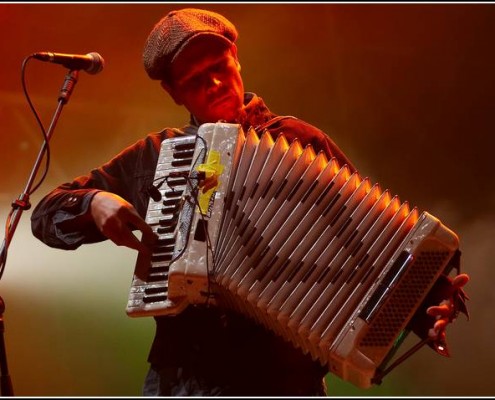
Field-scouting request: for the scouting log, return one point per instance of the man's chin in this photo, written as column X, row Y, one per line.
column 226, row 108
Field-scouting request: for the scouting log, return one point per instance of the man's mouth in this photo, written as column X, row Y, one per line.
column 220, row 99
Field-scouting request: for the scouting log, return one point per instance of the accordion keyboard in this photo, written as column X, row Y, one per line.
column 150, row 281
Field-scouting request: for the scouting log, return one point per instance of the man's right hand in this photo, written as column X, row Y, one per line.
column 116, row 219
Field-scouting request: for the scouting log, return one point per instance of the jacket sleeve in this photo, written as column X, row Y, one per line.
column 53, row 219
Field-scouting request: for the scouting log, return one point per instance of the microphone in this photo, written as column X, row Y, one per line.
column 92, row 63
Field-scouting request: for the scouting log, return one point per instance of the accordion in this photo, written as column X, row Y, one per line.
column 314, row 252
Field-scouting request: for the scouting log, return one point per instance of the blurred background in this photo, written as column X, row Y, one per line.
column 406, row 90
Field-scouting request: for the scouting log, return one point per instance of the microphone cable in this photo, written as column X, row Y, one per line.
column 46, row 144
column 23, row 203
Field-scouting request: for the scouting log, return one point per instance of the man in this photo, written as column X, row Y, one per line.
column 203, row 350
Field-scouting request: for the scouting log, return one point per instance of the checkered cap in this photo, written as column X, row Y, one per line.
column 174, row 31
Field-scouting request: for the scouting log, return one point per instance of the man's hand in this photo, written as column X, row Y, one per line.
column 116, row 219
column 446, row 312
column 441, row 307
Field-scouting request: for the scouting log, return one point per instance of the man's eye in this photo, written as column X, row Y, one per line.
column 220, row 67
column 193, row 83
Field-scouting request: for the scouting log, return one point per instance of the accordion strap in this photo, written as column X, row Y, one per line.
column 262, row 127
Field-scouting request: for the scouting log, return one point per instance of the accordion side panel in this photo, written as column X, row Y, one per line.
column 189, row 271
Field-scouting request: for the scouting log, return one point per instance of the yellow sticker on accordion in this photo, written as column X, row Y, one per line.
column 212, row 170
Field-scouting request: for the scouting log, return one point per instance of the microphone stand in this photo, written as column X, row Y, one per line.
column 18, row 206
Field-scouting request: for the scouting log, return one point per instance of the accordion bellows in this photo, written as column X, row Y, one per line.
column 319, row 255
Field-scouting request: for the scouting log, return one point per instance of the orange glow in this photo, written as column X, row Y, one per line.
column 405, row 90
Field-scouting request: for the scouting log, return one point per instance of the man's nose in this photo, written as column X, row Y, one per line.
column 214, row 83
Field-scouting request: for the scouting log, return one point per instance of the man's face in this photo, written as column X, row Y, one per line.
column 206, row 80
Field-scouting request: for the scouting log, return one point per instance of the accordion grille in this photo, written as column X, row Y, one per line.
column 417, row 281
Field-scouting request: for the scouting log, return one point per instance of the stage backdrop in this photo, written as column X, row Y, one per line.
column 407, row 91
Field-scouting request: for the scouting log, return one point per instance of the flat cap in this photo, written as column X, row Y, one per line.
column 174, row 31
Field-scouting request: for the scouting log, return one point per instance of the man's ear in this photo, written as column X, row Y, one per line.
column 171, row 92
